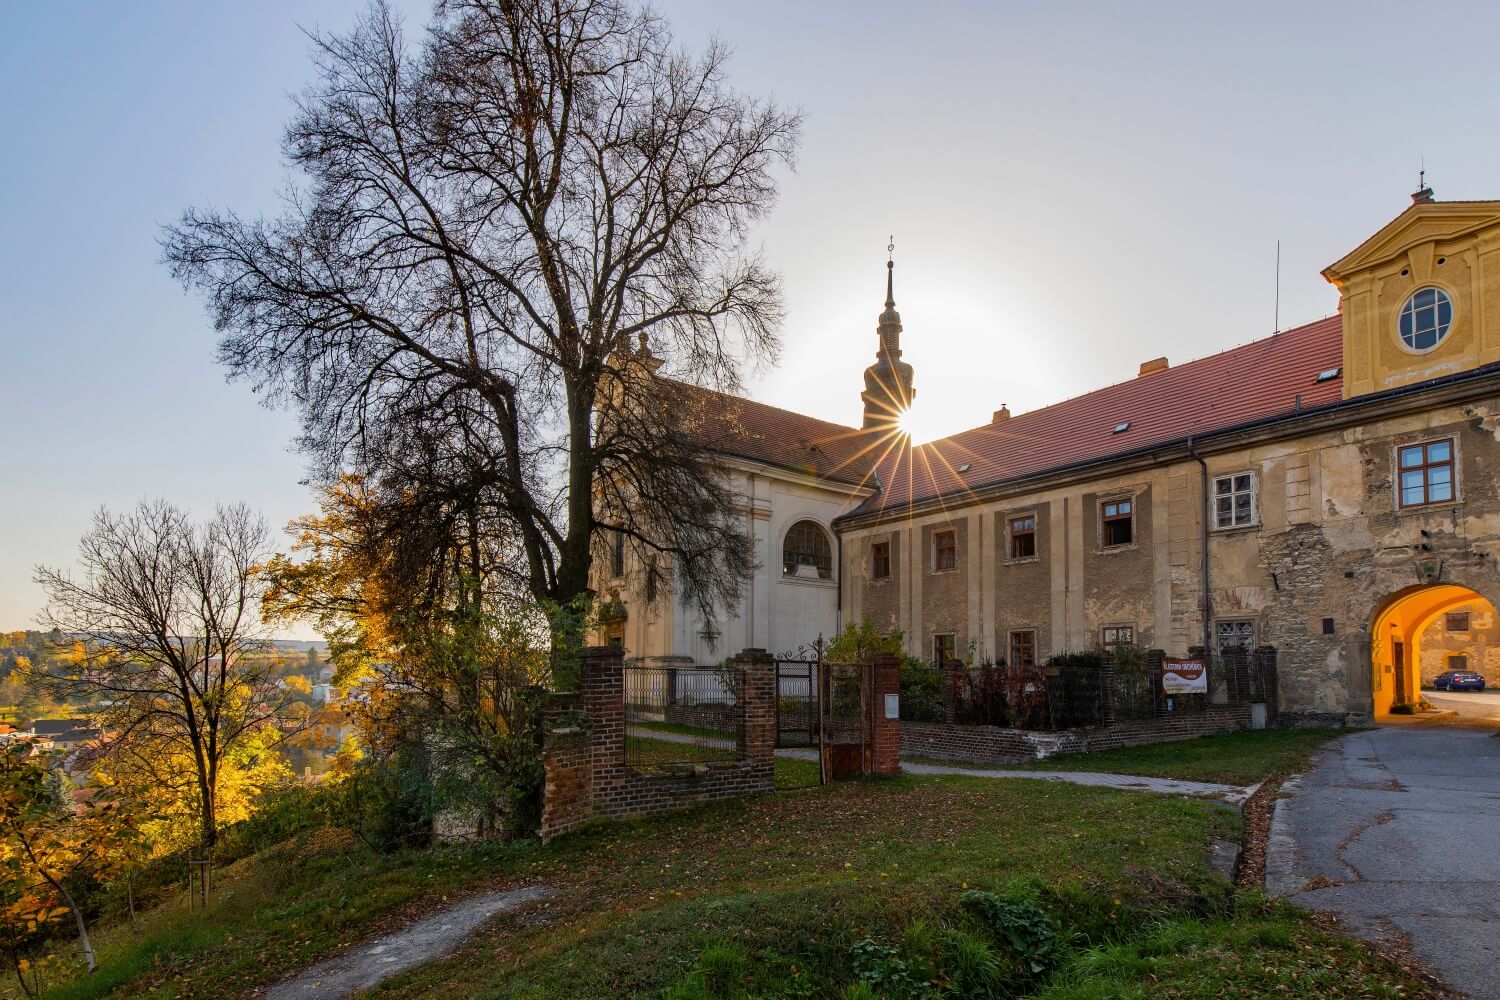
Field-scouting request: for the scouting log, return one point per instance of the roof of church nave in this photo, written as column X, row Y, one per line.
column 1259, row 380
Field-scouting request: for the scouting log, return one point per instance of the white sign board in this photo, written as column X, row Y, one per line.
column 1184, row 677
column 893, row 706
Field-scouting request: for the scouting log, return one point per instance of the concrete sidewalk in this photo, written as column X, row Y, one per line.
column 1234, row 795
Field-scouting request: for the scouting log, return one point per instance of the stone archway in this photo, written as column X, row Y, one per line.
column 1404, row 649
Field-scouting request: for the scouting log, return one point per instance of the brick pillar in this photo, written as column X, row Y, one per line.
column 1265, row 672
column 758, row 713
column 567, row 791
column 885, row 734
column 603, row 684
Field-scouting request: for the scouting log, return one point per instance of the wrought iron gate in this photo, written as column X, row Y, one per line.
column 825, row 708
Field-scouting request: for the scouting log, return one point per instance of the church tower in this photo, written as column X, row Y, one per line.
column 888, row 389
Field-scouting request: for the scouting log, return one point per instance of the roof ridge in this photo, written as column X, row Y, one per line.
column 755, row 402
column 1186, row 365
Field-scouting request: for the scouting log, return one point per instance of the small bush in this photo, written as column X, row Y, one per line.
column 921, row 691
column 1403, row 708
column 1019, row 922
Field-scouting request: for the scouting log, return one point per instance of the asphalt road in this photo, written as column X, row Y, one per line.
column 1397, row 830
column 1477, row 706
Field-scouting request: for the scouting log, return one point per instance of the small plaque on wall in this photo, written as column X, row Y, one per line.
column 893, row 706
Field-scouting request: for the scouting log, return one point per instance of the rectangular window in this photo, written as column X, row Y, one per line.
column 880, row 560
column 1023, row 648
column 944, row 550
column 1023, row 537
column 617, row 555
column 1111, row 636
column 1235, row 632
column 1458, row 621
column 944, row 649
column 1117, row 522
column 651, row 582
column 1426, row 473
column 1458, row 662
column 1234, row 500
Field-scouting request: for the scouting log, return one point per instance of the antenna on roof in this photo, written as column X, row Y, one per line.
column 1277, row 320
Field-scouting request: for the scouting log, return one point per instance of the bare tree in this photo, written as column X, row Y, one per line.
column 168, row 614
column 495, row 242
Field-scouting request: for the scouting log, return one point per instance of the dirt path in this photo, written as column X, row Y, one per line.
column 432, row 937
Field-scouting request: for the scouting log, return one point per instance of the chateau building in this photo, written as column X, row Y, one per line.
column 1330, row 490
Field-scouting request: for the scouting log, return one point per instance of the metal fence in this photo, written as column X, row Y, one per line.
column 679, row 717
column 796, row 703
column 1085, row 690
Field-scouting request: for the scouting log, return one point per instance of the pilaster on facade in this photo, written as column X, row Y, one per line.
column 973, row 568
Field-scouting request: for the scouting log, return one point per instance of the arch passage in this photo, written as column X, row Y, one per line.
column 1422, row 632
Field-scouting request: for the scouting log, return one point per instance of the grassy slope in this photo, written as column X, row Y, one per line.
column 793, row 880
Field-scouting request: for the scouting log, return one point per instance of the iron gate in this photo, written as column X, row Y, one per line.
column 825, row 708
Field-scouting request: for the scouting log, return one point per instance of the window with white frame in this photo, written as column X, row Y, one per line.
column 1234, row 500
column 1232, row 632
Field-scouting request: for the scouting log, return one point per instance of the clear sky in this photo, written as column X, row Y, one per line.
column 1073, row 189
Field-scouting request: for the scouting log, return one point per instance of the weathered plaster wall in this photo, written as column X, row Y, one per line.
column 1328, row 550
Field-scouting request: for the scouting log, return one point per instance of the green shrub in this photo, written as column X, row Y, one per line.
column 921, row 691
column 1021, row 923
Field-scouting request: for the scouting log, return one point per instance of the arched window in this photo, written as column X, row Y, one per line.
column 807, row 545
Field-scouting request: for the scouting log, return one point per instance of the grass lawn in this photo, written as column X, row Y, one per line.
column 1241, row 758
column 802, row 894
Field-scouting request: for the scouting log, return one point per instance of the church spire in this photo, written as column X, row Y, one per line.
column 888, row 383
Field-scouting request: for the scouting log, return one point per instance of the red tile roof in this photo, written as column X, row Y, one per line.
column 744, row 428
column 1239, row 386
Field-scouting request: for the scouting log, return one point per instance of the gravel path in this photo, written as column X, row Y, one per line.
column 1231, row 794
column 432, row 937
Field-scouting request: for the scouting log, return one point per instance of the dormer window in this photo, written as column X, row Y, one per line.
column 1425, row 319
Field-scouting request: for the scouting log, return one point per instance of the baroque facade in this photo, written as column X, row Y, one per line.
column 1330, row 490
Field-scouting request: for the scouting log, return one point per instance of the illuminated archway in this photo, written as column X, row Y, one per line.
column 1397, row 638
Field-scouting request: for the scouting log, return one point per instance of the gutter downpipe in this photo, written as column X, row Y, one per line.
column 1203, row 567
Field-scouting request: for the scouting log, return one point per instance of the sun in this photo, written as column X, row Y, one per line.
column 907, row 423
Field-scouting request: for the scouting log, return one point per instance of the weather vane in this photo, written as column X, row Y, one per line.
column 890, row 247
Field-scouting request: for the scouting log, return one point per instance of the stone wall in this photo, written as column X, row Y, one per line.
column 584, row 757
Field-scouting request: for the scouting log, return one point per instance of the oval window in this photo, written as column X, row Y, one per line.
column 1425, row 319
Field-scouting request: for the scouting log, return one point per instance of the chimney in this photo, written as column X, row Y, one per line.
column 1153, row 366
column 1001, row 414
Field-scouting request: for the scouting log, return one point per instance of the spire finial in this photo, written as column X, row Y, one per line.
column 890, row 271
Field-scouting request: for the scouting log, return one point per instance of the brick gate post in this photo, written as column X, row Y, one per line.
column 758, row 713
column 885, row 733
